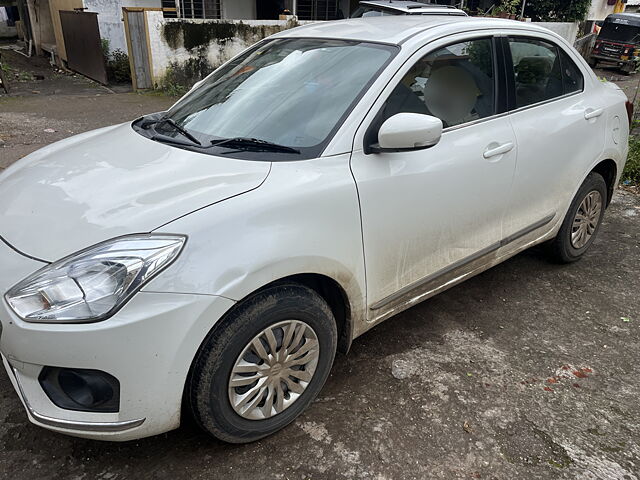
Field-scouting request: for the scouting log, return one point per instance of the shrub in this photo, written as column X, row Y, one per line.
column 118, row 66
column 117, row 63
column 557, row 10
column 631, row 173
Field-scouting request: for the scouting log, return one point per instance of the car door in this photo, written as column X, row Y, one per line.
column 427, row 212
column 559, row 128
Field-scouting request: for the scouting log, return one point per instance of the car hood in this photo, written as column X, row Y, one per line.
column 110, row 182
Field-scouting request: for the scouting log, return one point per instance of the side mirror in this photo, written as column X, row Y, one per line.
column 408, row 131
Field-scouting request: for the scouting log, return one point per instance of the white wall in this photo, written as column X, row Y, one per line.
column 110, row 18
column 599, row 10
column 5, row 30
column 217, row 52
column 567, row 30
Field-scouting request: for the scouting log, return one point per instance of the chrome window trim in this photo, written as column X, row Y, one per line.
column 549, row 100
column 517, row 110
column 473, row 122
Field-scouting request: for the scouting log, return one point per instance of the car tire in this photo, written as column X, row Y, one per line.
column 582, row 221
column 593, row 63
column 231, row 349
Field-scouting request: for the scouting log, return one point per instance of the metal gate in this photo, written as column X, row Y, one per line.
column 82, row 44
column 135, row 25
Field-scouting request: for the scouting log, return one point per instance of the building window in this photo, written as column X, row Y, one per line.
column 193, row 8
column 318, row 10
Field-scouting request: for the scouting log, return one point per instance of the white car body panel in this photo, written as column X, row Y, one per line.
column 147, row 185
column 288, row 226
column 390, row 229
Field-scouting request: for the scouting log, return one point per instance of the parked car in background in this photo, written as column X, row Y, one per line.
column 618, row 42
column 377, row 8
column 215, row 256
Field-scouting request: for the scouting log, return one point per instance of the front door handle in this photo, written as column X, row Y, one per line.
column 591, row 113
column 499, row 150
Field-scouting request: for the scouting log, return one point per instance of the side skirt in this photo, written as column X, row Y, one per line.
column 454, row 274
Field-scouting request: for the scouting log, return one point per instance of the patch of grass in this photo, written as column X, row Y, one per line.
column 631, row 173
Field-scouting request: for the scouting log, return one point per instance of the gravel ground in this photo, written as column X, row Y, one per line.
column 528, row 370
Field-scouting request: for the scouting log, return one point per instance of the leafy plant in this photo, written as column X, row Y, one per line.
column 631, row 173
column 106, row 48
column 508, row 6
column 118, row 66
column 117, row 63
column 557, row 10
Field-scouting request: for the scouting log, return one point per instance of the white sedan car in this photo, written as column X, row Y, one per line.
column 215, row 256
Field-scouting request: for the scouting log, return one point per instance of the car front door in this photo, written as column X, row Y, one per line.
column 558, row 125
column 427, row 214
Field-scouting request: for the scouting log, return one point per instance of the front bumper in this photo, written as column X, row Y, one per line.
column 148, row 346
column 614, row 60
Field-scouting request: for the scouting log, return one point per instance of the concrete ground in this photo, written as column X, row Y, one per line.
column 529, row 370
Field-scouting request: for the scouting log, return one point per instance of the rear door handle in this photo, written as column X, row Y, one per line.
column 499, row 150
column 591, row 113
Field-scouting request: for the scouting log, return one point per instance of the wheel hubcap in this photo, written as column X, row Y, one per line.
column 273, row 370
column 586, row 220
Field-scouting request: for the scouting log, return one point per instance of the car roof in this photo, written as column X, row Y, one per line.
column 397, row 29
column 624, row 18
column 416, row 8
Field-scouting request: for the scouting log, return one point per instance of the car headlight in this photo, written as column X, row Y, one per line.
column 92, row 284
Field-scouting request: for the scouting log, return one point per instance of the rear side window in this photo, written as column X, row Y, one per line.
column 542, row 71
column 571, row 75
column 455, row 84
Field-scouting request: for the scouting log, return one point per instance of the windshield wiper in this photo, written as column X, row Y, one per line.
column 246, row 143
column 180, row 129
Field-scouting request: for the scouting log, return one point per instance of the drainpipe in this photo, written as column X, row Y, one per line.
column 35, row 30
column 295, row 7
column 524, row 2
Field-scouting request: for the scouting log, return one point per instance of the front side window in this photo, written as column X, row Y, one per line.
column 290, row 92
column 455, row 84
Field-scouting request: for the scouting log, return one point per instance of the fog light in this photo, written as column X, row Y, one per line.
column 81, row 390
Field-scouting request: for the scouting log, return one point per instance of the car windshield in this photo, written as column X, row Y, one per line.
column 291, row 93
column 619, row 32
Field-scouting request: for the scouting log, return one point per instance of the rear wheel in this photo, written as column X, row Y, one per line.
column 266, row 363
column 593, row 63
column 582, row 222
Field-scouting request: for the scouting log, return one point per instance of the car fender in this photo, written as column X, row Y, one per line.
column 304, row 219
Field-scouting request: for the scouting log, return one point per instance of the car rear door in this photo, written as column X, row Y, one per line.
column 559, row 127
column 428, row 213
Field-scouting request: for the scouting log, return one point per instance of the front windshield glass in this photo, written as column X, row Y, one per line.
column 619, row 32
column 290, row 92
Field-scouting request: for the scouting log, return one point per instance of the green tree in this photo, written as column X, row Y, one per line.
column 557, row 10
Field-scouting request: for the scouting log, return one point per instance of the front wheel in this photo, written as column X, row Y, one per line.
column 582, row 222
column 264, row 365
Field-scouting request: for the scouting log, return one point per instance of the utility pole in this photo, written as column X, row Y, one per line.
column 524, row 2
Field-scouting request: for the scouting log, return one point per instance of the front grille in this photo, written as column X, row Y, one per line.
column 611, row 49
